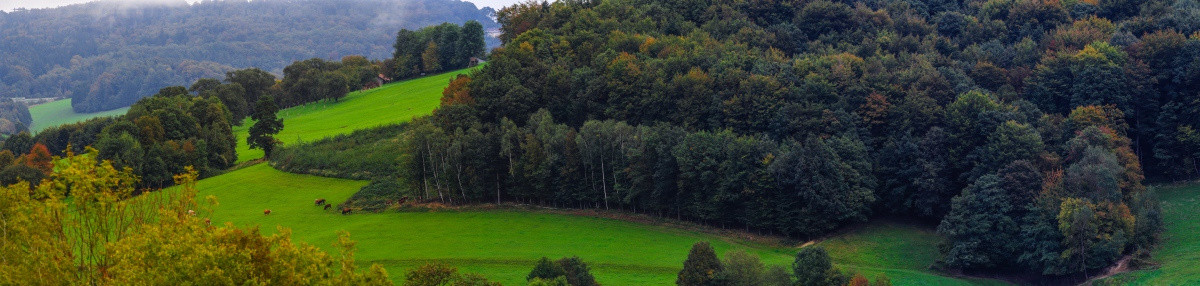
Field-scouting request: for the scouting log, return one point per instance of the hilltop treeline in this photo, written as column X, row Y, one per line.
column 1024, row 128
column 436, row 48
column 107, row 55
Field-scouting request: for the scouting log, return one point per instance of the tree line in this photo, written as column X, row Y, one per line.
column 436, row 48
column 721, row 178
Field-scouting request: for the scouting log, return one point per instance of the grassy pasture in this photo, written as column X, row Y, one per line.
column 503, row 244
column 1179, row 251
column 392, row 103
column 59, row 112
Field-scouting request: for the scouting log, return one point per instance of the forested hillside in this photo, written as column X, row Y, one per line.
column 107, row 55
column 1023, row 128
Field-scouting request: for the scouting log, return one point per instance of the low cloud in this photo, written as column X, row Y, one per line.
column 10, row 5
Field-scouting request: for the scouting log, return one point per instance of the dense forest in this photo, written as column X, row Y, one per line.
column 1024, row 129
column 107, row 55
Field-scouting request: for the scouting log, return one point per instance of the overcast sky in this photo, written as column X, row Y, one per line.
column 8, row 5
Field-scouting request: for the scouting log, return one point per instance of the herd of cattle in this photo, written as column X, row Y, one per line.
column 345, row 210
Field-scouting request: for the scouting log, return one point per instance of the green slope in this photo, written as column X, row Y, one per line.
column 1179, row 251
column 504, row 244
column 59, row 112
column 392, row 103
column 902, row 251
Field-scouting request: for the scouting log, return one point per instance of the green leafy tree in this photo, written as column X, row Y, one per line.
column 741, row 269
column 266, row 125
column 19, row 143
column 701, row 266
column 1010, row 141
column 577, row 272
column 333, row 86
column 1078, row 224
column 980, row 231
column 430, row 58
column 470, row 42
column 256, row 82
column 777, row 275
column 813, row 267
column 443, row 275
column 122, row 149
column 234, row 97
column 204, row 85
column 546, row 269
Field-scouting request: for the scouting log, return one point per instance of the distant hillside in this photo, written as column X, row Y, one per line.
column 107, row 55
column 59, row 112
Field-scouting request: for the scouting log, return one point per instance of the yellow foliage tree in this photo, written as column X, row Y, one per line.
column 104, row 235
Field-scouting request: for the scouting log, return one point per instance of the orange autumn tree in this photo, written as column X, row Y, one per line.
column 39, row 158
column 457, row 92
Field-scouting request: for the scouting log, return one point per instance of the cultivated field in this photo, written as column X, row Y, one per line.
column 59, row 112
column 504, row 244
column 392, row 103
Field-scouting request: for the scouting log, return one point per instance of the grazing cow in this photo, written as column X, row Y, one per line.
column 404, row 199
column 267, row 212
column 327, row 206
column 345, row 210
column 320, row 202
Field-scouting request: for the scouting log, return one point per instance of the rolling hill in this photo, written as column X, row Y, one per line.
column 392, row 103
column 59, row 112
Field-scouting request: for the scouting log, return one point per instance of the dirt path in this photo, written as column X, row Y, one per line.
column 1121, row 267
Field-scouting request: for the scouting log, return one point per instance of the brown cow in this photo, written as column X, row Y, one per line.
column 267, row 212
column 345, row 210
column 320, row 202
column 327, row 206
column 403, row 199
column 207, row 221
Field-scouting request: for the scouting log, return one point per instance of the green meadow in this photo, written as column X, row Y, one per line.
column 1179, row 250
column 902, row 251
column 59, row 112
column 391, row 103
column 504, row 244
